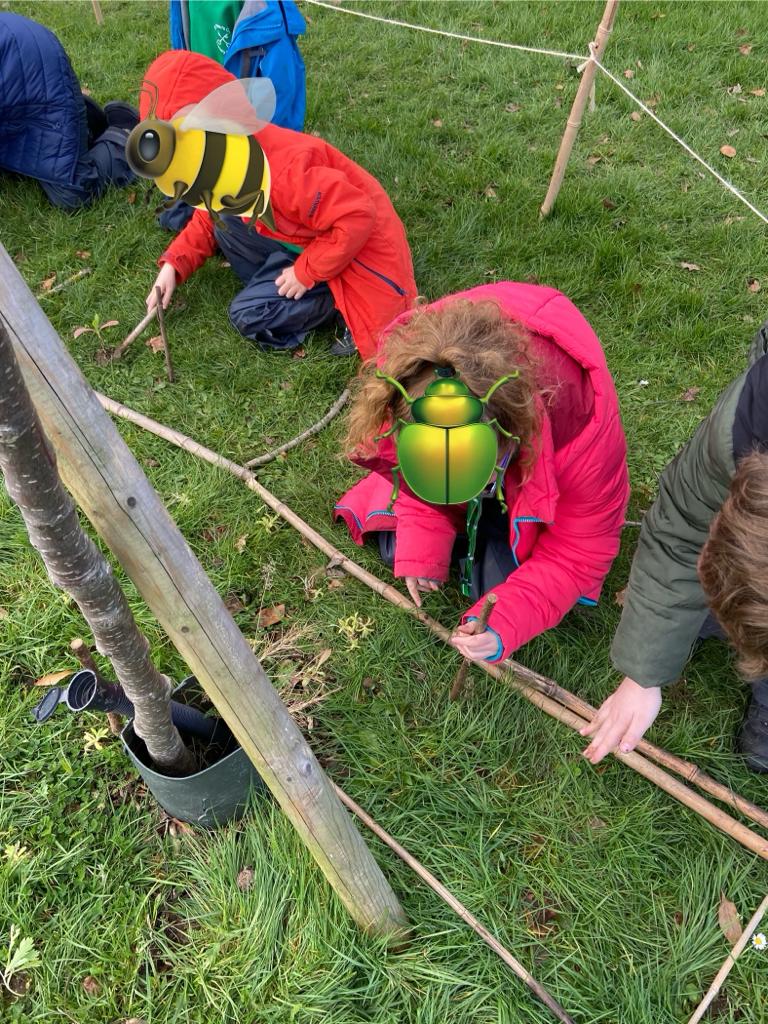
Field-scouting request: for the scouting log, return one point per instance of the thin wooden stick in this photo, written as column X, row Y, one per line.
column 730, row 960
column 579, row 104
column 457, row 907
column 77, row 276
column 335, row 409
column 97, row 12
column 118, row 350
column 163, row 335
column 482, row 622
column 640, row 764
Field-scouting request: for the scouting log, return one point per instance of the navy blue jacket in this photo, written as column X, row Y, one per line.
column 43, row 127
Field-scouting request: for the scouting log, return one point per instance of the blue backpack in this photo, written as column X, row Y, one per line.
column 263, row 45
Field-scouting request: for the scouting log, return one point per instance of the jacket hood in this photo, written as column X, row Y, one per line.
column 181, row 78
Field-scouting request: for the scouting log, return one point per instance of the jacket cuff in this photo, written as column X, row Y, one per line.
column 300, row 270
column 429, row 570
column 178, row 266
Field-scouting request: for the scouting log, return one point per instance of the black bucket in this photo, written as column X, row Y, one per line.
column 217, row 793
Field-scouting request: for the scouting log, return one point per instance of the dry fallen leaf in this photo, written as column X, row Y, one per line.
column 690, row 394
column 47, row 284
column 728, row 919
column 241, row 542
column 52, row 678
column 271, row 616
column 178, row 828
column 298, row 353
column 4, row 613
column 81, row 330
column 619, row 597
column 245, row 879
column 689, row 266
column 629, row 73
column 155, row 343
column 757, row 92
column 83, row 254
column 596, row 824
column 728, row 151
column 753, row 284
column 745, row 49
column 437, row 123
column 233, row 604
column 512, row 108
column 489, row 191
column 109, row 323
column 636, row 115
column 734, row 90
column 594, row 159
column 91, row 986
column 609, row 204
column 131, row 198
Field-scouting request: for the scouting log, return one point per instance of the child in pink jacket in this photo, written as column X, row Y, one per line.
column 565, row 483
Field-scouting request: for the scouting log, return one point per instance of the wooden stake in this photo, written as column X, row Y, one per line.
column 579, row 104
column 97, row 12
column 112, row 490
column 634, row 760
column 118, row 350
column 163, row 335
column 335, row 409
column 730, row 960
column 447, row 896
column 482, row 622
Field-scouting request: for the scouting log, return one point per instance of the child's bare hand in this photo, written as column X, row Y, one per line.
column 417, row 584
column 473, row 645
column 166, row 282
column 289, row 285
column 622, row 719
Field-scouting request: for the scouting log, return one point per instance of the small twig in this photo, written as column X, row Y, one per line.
column 730, row 960
column 163, row 335
column 335, row 409
column 482, row 622
column 118, row 351
column 426, row 876
column 83, row 272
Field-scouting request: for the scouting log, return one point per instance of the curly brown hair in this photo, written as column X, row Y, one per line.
column 733, row 565
column 474, row 339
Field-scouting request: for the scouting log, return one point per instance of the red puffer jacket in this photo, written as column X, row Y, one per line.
column 565, row 518
column 321, row 200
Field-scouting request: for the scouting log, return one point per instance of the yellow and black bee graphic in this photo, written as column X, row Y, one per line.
column 206, row 154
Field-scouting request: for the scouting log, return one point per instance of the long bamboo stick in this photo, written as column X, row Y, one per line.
column 579, row 104
column 715, row 816
column 447, row 896
column 730, row 960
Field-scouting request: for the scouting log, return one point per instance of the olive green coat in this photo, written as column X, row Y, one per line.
column 664, row 605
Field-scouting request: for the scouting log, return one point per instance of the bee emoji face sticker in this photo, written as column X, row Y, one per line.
column 448, row 454
column 206, row 154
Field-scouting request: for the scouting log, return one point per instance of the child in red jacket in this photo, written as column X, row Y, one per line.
column 337, row 244
column 565, row 484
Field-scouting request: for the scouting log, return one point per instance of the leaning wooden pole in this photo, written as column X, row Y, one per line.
column 108, row 484
column 579, row 106
column 507, row 673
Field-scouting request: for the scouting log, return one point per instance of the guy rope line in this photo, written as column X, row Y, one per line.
column 450, row 35
column 568, row 56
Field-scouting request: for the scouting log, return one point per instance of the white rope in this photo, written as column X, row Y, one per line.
column 723, row 181
column 449, row 35
column 569, row 56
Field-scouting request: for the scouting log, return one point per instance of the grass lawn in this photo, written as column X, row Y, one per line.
column 604, row 887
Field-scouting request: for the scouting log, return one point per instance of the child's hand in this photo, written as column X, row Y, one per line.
column 289, row 285
column 166, row 282
column 475, row 647
column 419, row 583
column 622, row 719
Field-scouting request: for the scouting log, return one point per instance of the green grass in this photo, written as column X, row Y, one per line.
column 492, row 795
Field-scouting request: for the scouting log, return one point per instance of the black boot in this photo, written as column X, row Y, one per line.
column 753, row 738
column 344, row 346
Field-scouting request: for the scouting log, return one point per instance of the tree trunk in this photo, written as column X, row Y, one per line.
column 76, row 565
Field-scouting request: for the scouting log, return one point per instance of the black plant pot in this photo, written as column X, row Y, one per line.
column 217, row 793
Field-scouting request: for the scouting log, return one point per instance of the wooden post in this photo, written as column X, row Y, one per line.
column 577, row 110
column 108, row 484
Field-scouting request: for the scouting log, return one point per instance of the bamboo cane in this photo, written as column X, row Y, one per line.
column 482, row 622
column 338, row 405
column 579, row 104
column 458, row 907
column 118, row 350
column 163, row 335
column 724, row 822
column 730, row 960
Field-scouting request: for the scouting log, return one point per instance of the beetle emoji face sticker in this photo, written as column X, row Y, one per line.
column 448, row 454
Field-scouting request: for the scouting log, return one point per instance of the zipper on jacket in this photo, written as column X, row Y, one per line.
column 382, row 277
column 516, row 541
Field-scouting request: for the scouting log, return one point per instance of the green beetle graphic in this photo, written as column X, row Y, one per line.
column 447, row 455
